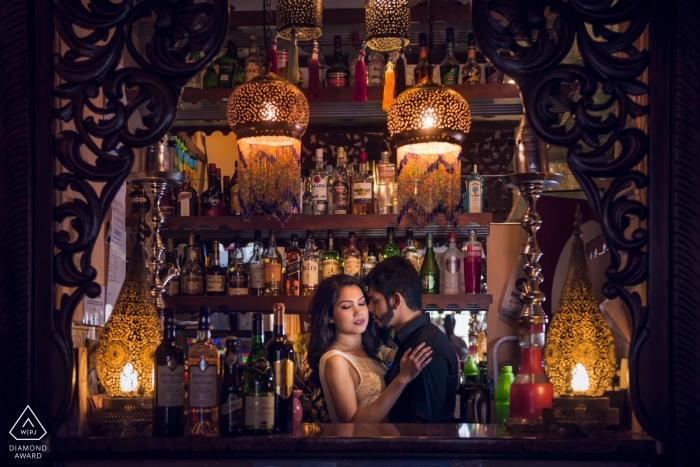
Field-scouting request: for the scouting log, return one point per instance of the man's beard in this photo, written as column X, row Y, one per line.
column 386, row 318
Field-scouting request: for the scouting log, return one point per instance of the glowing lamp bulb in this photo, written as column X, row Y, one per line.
column 129, row 379
column 579, row 379
column 429, row 119
column 269, row 112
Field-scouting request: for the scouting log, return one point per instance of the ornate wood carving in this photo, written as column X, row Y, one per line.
column 96, row 34
column 539, row 35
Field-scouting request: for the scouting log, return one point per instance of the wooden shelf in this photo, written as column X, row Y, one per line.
column 297, row 222
column 374, row 93
column 300, row 305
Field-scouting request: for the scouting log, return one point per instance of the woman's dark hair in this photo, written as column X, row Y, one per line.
column 397, row 274
column 323, row 331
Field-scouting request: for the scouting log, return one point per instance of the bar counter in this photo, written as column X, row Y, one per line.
column 399, row 444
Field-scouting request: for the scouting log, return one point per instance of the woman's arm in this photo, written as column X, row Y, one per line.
column 342, row 387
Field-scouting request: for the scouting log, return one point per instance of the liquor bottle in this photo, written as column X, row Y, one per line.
column 321, row 249
column 391, row 248
column 187, row 199
column 429, row 271
column 212, row 198
column 140, row 203
column 375, row 68
column 227, row 66
column 341, row 184
column 410, row 252
column 309, row 266
column 293, row 268
column 173, row 287
column 453, row 260
column 216, row 275
column 196, row 81
column 474, row 194
column 256, row 273
column 235, row 201
column 252, row 62
column 280, row 354
column 363, row 188
column 168, row 203
column 341, row 260
column 352, row 258
column 203, row 364
column 272, row 268
column 338, row 74
column 282, row 60
column 386, row 185
column 354, row 56
column 471, row 74
column 169, row 414
column 330, row 261
column 307, row 203
column 319, row 186
column 371, row 260
column 492, row 74
column 329, row 189
column 192, row 275
column 237, row 274
column 227, row 195
column 472, row 264
column 211, row 78
column 449, row 68
column 423, row 71
column 231, row 394
column 483, row 371
column 470, row 372
column 258, row 386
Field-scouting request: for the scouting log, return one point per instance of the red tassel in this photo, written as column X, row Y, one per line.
column 314, row 76
column 359, row 90
column 272, row 57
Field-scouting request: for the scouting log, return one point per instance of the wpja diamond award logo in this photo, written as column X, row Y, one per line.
column 28, row 428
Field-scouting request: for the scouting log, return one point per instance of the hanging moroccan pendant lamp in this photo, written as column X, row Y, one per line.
column 388, row 23
column 306, row 16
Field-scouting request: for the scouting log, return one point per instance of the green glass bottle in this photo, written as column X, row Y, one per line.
column 211, row 79
column 330, row 260
column 196, row 81
column 228, row 66
column 429, row 271
column 258, row 386
column 391, row 248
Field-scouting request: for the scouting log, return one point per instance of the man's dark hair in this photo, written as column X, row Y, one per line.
column 397, row 274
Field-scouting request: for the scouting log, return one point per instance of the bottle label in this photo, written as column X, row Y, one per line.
column 203, row 383
column 231, row 358
column 319, row 189
column 376, row 71
column 309, row 273
column 429, row 282
column 224, row 78
column 341, row 198
column 386, row 173
column 272, row 272
column 184, row 200
column 458, row 406
column 282, row 59
column 473, row 253
column 251, row 70
column 330, row 267
column 452, row 264
column 171, row 386
column 216, row 283
column 352, row 266
column 235, row 202
column 173, row 288
column 475, row 196
column 233, row 404
column 293, row 267
column 450, row 76
column 168, row 211
column 257, row 276
column 362, row 192
column 259, row 412
column 237, row 284
column 337, row 79
column 211, row 205
column 473, row 79
column 192, row 285
column 284, row 377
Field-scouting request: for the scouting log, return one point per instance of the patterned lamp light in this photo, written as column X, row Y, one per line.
column 131, row 335
column 387, row 23
column 268, row 115
column 429, row 123
column 305, row 16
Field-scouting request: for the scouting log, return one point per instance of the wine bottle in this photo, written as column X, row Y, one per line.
column 330, row 260
column 255, row 267
column 410, row 252
column 231, row 399
column 280, row 353
column 173, row 287
column 169, row 415
column 237, row 275
column 216, row 275
column 391, row 248
column 429, row 271
column 352, row 264
column 258, row 386
column 203, row 360
column 293, row 268
column 272, row 268
column 309, row 266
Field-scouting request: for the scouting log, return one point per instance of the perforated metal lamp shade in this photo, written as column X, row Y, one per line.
column 306, row 16
column 388, row 23
column 429, row 123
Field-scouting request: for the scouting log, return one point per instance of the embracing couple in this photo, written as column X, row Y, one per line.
column 364, row 381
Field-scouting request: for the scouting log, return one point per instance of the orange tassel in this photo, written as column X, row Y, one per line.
column 389, row 83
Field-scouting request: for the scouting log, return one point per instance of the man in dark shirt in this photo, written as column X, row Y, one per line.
column 396, row 299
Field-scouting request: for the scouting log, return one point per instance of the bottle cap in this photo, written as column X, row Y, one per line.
column 422, row 40
column 506, row 369
column 204, row 318
column 319, row 155
column 231, row 338
column 238, row 241
column 363, row 157
column 212, row 167
column 450, row 33
column 258, row 235
column 253, row 36
column 453, row 237
column 470, row 40
column 355, row 38
column 309, row 233
column 475, row 168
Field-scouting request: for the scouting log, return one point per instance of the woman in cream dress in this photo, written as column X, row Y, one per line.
column 344, row 355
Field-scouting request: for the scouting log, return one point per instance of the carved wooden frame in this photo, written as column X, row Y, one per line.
column 35, row 335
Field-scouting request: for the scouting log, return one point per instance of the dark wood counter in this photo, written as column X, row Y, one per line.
column 399, row 442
